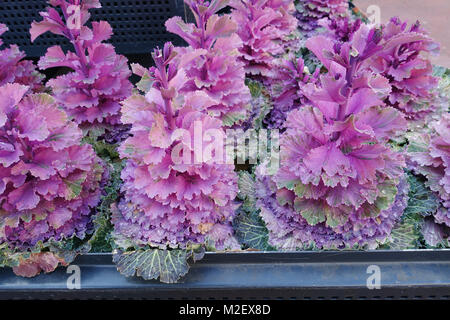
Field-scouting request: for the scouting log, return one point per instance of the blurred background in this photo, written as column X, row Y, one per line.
column 433, row 14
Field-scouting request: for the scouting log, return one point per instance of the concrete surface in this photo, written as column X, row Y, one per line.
column 433, row 14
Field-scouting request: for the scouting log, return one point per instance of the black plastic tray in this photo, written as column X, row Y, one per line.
column 415, row 274
column 138, row 24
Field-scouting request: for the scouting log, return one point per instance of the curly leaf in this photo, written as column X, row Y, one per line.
column 95, row 137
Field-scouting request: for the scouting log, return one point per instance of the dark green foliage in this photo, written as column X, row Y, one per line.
column 104, row 150
column 69, row 249
column 422, row 200
column 251, row 231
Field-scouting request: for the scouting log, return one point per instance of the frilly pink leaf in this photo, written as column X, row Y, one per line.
column 339, row 183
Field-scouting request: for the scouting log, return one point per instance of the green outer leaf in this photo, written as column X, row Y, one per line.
column 422, row 200
column 251, row 231
column 167, row 265
column 101, row 239
column 405, row 235
column 8, row 258
column 67, row 250
column 92, row 136
column 70, row 248
column 257, row 90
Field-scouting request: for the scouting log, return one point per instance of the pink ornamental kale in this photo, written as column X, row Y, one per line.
column 264, row 26
column 14, row 69
column 408, row 67
column 92, row 92
column 429, row 155
column 310, row 12
column 49, row 182
column 211, row 61
column 337, row 172
column 173, row 198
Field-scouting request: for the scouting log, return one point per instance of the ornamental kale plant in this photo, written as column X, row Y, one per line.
column 91, row 93
column 49, row 182
column 408, row 67
column 173, row 201
column 339, row 182
column 264, row 27
column 13, row 69
column 211, row 61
